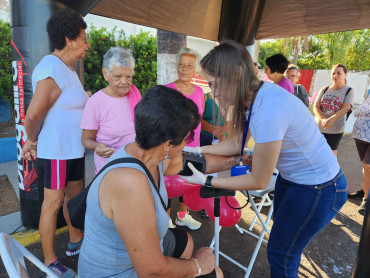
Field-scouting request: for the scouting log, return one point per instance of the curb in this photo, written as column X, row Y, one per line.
column 31, row 236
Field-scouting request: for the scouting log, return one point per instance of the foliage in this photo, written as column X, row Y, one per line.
column 144, row 50
column 358, row 53
column 323, row 50
column 6, row 85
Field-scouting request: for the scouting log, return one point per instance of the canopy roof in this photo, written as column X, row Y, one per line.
column 278, row 18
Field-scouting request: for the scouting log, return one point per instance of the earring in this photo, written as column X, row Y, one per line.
column 166, row 156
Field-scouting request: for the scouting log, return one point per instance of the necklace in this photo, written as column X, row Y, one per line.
column 64, row 61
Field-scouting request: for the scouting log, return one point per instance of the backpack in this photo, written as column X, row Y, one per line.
column 350, row 110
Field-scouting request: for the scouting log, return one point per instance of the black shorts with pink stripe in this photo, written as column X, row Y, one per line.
column 56, row 173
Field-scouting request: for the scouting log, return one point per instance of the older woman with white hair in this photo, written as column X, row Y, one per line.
column 104, row 130
column 188, row 64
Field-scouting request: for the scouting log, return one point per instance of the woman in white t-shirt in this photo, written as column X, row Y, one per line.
column 108, row 118
column 310, row 188
column 53, row 129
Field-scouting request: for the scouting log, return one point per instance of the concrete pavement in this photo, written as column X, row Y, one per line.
column 330, row 254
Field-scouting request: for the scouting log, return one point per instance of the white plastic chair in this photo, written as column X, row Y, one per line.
column 258, row 220
column 13, row 254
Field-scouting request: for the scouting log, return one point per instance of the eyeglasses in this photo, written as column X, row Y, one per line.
column 117, row 78
column 86, row 38
column 190, row 137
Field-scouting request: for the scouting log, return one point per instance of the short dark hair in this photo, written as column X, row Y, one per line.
column 277, row 63
column 164, row 114
column 67, row 23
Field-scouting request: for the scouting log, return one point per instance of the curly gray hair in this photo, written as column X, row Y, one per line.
column 190, row 51
column 118, row 56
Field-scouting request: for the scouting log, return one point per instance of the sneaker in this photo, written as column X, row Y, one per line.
column 59, row 269
column 203, row 213
column 188, row 221
column 74, row 248
column 171, row 225
column 361, row 210
column 356, row 195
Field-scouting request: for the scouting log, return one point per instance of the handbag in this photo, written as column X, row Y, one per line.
column 77, row 205
column 31, row 176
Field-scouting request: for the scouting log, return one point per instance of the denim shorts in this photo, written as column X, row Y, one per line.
column 300, row 212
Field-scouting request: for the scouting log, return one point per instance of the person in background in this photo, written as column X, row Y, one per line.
column 126, row 224
column 276, row 66
column 310, row 188
column 108, row 118
column 361, row 135
column 187, row 61
column 292, row 73
column 331, row 106
column 53, row 127
column 213, row 127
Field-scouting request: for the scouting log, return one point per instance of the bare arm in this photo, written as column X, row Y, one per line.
column 88, row 140
column 226, row 148
column 264, row 162
column 46, row 94
column 317, row 110
column 119, row 202
column 329, row 122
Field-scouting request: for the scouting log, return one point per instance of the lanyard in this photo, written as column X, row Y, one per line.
column 245, row 132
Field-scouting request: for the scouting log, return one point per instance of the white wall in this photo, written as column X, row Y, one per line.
column 201, row 45
column 4, row 10
column 359, row 81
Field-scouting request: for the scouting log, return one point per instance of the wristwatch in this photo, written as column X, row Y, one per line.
column 208, row 181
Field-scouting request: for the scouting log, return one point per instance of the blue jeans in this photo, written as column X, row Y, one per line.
column 300, row 212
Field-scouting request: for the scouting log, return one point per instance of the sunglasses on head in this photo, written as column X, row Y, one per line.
column 190, row 137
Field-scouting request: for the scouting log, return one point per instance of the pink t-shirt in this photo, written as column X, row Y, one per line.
column 287, row 85
column 113, row 120
column 198, row 98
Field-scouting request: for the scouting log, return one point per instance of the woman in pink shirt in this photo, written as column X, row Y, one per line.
column 108, row 117
column 187, row 66
column 276, row 66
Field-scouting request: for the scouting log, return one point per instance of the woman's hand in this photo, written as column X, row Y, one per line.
column 196, row 178
column 328, row 123
column 103, row 151
column 29, row 150
column 247, row 160
column 206, row 260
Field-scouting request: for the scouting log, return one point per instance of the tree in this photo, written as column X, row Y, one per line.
column 358, row 53
column 144, row 50
column 6, row 84
column 322, row 51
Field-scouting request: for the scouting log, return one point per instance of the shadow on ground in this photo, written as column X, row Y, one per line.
column 330, row 254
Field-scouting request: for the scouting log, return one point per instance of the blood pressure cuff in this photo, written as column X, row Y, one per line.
column 198, row 160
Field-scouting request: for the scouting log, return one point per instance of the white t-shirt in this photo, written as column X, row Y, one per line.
column 60, row 135
column 305, row 156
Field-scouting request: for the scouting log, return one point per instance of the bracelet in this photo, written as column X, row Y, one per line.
column 199, row 269
column 208, row 181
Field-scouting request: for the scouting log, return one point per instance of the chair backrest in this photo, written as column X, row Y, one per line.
column 13, row 254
